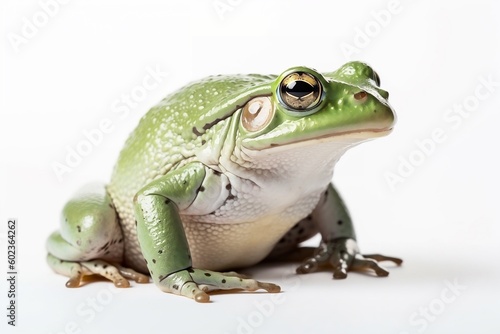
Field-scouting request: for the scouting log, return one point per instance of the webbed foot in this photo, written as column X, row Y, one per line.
column 343, row 255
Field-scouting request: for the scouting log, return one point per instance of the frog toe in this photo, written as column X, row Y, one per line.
column 76, row 276
column 362, row 264
column 193, row 291
column 132, row 274
column 380, row 257
column 269, row 287
column 74, row 270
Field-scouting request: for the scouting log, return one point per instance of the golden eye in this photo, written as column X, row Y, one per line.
column 300, row 91
column 257, row 113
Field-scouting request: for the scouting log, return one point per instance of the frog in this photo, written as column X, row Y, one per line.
column 222, row 174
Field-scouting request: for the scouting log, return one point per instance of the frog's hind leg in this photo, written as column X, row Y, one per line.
column 287, row 248
column 90, row 241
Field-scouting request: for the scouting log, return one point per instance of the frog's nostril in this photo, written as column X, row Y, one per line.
column 385, row 94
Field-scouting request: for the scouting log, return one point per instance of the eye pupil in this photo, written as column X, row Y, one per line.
column 300, row 89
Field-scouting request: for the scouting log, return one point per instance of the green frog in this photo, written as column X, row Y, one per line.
column 222, row 174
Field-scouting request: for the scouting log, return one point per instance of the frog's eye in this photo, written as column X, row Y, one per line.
column 300, row 91
column 257, row 113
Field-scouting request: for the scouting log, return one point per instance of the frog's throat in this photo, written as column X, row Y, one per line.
column 313, row 160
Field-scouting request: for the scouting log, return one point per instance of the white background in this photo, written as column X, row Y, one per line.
column 442, row 217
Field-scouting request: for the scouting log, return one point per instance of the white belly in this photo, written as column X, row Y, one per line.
column 222, row 246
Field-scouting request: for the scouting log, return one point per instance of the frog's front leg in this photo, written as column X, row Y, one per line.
column 338, row 248
column 164, row 243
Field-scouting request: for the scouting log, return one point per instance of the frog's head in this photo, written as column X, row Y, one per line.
column 306, row 106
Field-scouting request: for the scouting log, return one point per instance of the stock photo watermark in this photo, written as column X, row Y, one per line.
column 31, row 25
column 12, row 272
column 452, row 119
column 88, row 310
column 222, row 7
column 421, row 319
column 94, row 137
column 363, row 36
column 264, row 309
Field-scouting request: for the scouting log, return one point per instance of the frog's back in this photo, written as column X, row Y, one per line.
column 165, row 140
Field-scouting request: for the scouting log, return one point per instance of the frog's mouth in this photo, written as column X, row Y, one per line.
column 361, row 135
column 351, row 138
